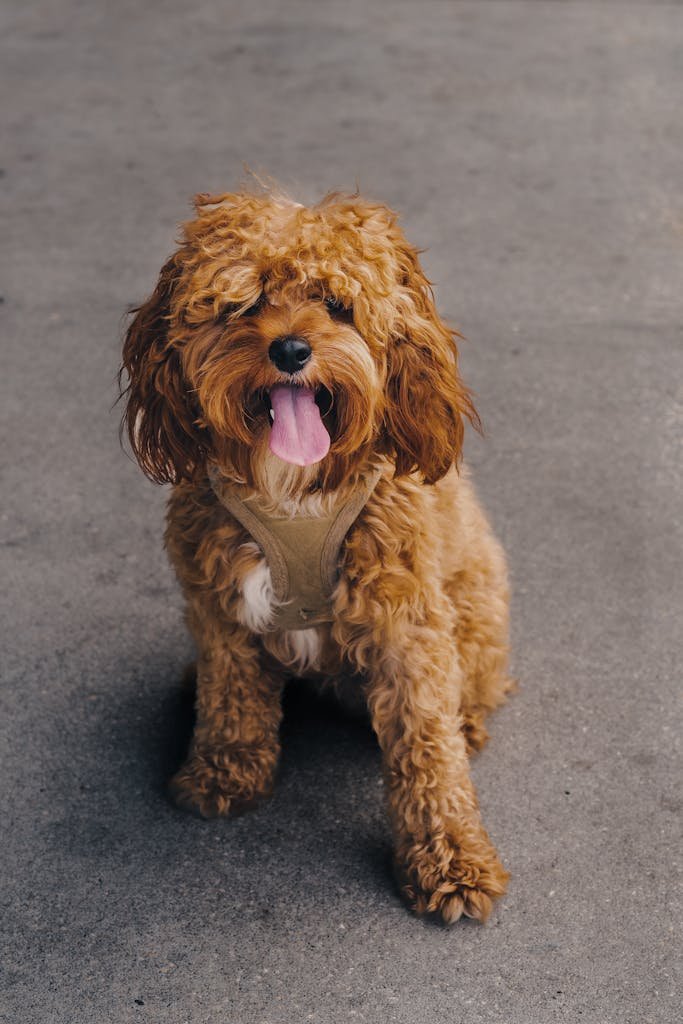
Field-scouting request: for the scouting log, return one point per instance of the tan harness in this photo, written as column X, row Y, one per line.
column 302, row 552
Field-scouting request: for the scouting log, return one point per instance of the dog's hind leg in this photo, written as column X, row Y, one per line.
column 480, row 596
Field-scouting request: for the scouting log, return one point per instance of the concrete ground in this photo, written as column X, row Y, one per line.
column 535, row 149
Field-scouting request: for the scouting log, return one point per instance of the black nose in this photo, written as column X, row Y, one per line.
column 290, row 354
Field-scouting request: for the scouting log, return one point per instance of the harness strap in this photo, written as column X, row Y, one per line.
column 302, row 552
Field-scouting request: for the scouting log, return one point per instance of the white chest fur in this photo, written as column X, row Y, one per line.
column 258, row 597
column 298, row 649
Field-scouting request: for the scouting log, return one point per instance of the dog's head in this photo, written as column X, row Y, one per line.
column 305, row 333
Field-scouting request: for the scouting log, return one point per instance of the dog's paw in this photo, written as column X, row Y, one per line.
column 449, row 880
column 210, row 791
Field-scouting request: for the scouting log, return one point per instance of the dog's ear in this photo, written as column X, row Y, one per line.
column 426, row 398
column 159, row 417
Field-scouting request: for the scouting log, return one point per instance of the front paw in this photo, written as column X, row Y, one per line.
column 213, row 790
column 449, row 879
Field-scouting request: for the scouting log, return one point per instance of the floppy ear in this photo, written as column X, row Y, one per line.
column 158, row 419
column 426, row 399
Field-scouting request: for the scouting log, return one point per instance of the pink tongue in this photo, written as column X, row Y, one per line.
column 298, row 434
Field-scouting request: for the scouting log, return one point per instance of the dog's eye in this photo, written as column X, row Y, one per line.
column 336, row 307
column 255, row 307
column 232, row 310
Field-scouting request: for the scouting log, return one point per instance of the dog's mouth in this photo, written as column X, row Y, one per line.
column 298, row 434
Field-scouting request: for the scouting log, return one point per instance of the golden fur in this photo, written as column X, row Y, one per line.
column 419, row 629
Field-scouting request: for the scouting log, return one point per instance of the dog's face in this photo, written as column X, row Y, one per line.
column 308, row 334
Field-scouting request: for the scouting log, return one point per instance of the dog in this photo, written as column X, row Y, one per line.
column 291, row 377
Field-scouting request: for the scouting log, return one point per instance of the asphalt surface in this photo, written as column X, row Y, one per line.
column 534, row 149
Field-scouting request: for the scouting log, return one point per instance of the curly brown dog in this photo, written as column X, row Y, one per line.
column 291, row 377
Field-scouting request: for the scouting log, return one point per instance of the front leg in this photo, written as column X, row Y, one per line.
column 235, row 747
column 445, row 862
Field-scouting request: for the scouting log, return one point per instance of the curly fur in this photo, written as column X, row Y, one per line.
column 420, row 612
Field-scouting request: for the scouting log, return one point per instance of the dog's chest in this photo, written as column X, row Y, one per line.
column 291, row 588
column 298, row 649
column 301, row 555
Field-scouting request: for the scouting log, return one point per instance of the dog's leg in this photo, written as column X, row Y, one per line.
column 480, row 600
column 445, row 862
column 479, row 593
column 235, row 747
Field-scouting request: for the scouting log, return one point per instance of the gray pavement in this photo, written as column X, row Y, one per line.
column 535, row 149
